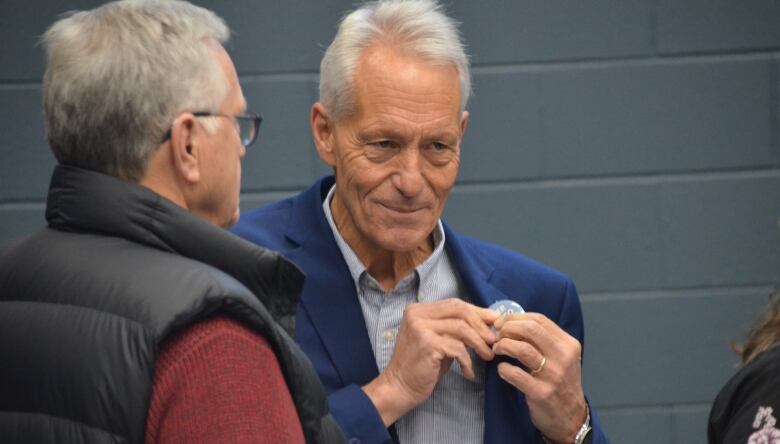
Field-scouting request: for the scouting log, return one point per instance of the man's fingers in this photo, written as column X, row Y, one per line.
column 487, row 315
column 455, row 308
column 456, row 350
column 516, row 376
column 524, row 352
column 548, row 325
column 534, row 389
column 480, row 319
column 460, row 329
column 530, row 331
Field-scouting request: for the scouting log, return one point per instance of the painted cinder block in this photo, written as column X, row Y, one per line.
column 690, row 424
column 605, row 237
column 650, row 117
column 283, row 156
column 716, row 25
column 621, row 118
column 503, row 139
column 624, row 234
column 664, row 348
column 20, row 220
column 507, row 31
column 638, row 426
column 721, row 231
column 21, row 25
column 27, row 160
column 279, row 37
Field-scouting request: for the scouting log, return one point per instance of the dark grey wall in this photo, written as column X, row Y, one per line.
column 632, row 144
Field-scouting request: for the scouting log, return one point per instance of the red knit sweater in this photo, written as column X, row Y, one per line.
column 219, row 382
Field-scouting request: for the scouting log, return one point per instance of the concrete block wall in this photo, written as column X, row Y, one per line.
column 632, row 144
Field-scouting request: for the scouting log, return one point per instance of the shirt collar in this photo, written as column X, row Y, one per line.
column 356, row 266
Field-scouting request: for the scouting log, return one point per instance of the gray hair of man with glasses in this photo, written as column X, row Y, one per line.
column 117, row 76
column 418, row 26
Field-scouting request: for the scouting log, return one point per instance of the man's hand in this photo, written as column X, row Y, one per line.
column 430, row 337
column 552, row 382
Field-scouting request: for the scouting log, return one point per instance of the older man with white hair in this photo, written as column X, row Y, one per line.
column 394, row 310
column 134, row 317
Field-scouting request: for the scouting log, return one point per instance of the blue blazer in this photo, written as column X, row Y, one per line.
column 331, row 331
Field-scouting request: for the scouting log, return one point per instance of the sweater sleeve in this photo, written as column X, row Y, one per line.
column 218, row 381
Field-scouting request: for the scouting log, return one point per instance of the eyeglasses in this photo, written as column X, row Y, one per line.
column 248, row 125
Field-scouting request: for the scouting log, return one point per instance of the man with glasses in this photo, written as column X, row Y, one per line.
column 134, row 316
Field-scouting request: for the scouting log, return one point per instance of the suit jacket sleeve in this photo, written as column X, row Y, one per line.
column 357, row 416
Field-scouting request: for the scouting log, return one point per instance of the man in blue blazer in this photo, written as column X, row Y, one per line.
column 393, row 313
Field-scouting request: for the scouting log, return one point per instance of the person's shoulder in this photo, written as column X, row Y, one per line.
column 738, row 406
column 507, row 262
column 765, row 369
column 220, row 329
column 271, row 212
column 265, row 225
column 269, row 224
column 760, row 377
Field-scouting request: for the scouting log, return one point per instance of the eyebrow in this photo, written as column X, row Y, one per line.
column 383, row 134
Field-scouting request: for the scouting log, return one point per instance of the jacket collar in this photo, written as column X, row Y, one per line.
column 329, row 296
column 81, row 200
column 308, row 225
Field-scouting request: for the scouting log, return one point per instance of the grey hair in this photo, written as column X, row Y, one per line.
column 418, row 26
column 117, row 75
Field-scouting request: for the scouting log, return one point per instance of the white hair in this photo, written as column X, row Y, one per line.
column 418, row 26
column 117, row 75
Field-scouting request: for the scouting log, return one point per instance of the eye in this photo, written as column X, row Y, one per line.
column 384, row 144
column 439, row 146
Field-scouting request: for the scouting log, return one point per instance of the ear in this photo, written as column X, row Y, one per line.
column 464, row 123
column 184, row 149
column 322, row 133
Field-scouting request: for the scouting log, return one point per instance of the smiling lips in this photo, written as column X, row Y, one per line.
column 403, row 212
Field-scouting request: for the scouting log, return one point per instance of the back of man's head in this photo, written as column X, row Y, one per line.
column 118, row 74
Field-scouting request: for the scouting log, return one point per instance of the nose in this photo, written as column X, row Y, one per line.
column 408, row 179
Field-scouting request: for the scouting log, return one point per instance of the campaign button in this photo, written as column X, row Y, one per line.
column 506, row 307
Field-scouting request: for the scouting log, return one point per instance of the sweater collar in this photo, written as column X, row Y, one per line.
column 80, row 200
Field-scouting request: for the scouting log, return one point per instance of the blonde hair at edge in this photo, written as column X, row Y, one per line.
column 117, row 76
column 417, row 26
column 765, row 333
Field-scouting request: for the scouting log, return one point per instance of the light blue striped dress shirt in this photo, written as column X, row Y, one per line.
column 455, row 411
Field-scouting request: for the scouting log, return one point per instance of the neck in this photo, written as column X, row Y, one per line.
column 159, row 180
column 388, row 267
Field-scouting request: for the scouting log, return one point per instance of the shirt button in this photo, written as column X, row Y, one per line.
column 388, row 336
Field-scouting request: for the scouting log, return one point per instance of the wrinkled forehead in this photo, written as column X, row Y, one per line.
column 389, row 77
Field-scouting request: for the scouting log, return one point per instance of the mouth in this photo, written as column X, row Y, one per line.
column 405, row 210
column 403, row 213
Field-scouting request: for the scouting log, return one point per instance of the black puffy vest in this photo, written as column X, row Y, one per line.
column 86, row 303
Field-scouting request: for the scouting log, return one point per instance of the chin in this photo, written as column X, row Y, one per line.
column 229, row 221
column 403, row 241
column 233, row 220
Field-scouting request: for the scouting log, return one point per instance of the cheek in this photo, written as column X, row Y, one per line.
column 443, row 179
column 237, row 178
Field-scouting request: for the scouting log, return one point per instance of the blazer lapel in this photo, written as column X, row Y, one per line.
column 504, row 405
column 329, row 296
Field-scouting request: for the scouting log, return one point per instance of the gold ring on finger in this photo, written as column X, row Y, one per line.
column 539, row 369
